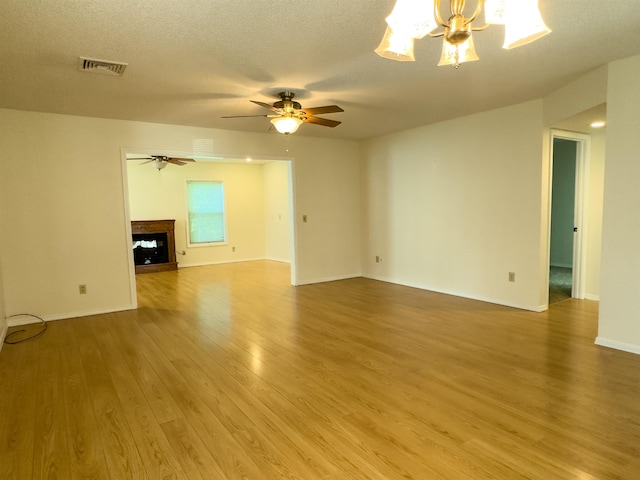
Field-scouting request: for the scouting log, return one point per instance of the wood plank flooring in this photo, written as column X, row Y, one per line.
column 228, row 372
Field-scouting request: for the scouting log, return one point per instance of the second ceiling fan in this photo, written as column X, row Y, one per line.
column 288, row 114
column 161, row 161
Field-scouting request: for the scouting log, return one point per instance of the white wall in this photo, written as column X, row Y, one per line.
column 619, row 323
column 62, row 186
column 277, row 213
column 62, row 215
column 594, row 214
column 455, row 206
column 327, row 192
column 157, row 195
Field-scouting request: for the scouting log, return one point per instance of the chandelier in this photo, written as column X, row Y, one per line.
column 414, row 19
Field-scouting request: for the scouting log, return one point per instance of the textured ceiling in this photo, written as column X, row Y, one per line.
column 193, row 61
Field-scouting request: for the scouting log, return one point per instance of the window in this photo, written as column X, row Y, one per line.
column 205, row 204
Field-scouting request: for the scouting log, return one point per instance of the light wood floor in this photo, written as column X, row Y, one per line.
column 228, row 372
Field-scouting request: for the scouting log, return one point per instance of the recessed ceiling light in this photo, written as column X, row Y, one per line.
column 249, row 159
column 598, row 124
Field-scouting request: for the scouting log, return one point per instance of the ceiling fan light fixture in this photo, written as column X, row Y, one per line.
column 287, row 114
column 286, row 125
column 396, row 46
column 159, row 164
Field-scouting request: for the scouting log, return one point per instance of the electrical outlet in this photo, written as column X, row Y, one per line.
column 512, row 276
column 82, row 289
column 304, row 219
column 378, row 259
column 233, row 249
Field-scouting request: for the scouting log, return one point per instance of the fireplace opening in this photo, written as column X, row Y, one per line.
column 153, row 245
column 150, row 248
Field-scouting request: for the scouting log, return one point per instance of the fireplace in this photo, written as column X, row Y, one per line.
column 153, row 245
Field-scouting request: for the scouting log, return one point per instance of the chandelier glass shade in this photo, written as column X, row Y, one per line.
column 457, row 54
column 414, row 19
column 396, row 46
column 286, row 124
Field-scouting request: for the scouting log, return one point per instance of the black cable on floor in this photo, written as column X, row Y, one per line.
column 40, row 332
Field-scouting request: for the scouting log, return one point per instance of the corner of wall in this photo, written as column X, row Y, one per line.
column 586, row 92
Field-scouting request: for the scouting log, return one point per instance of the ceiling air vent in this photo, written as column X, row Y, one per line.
column 101, row 66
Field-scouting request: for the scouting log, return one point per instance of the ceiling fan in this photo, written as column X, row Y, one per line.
column 161, row 161
column 288, row 114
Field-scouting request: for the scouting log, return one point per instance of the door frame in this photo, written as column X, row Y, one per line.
column 293, row 227
column 583, row 151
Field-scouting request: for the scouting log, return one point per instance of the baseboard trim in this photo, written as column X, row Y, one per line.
column 279, row 260
column 530, row 308
column 594, row 298
column 220, row 262
column 26, row 320
column 328, row 279
column 625, row 347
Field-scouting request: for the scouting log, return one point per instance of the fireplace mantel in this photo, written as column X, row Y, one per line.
column 161, row 258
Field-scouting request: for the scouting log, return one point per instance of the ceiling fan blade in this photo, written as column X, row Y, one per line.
column 180, row 159
column 175, row 161
column 265, row 105
column 244, row 116
column 148, row 161
column 139, row 158
column 321, row 121
column 321, row 110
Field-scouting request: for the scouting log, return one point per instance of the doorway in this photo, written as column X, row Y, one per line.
column 258, row 201
column 567, row 253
